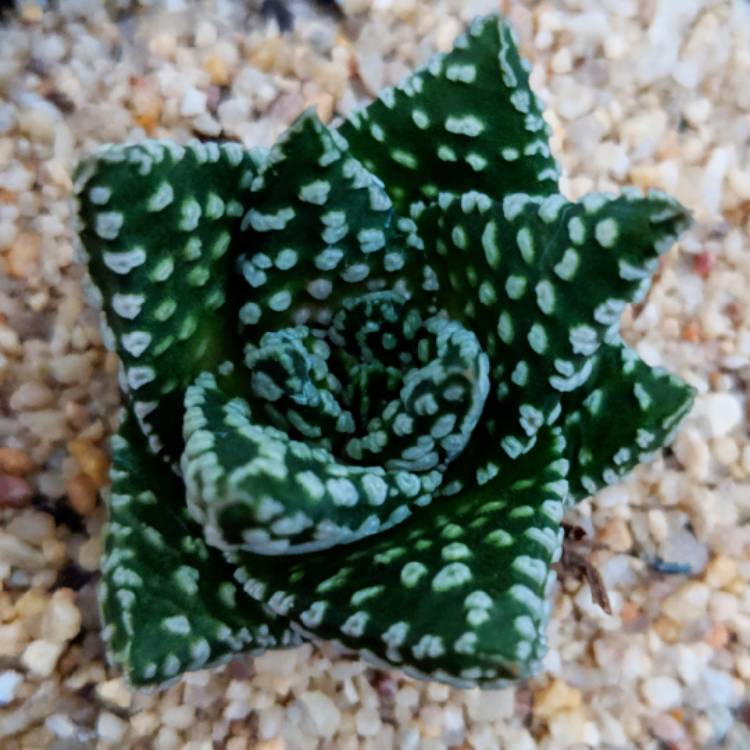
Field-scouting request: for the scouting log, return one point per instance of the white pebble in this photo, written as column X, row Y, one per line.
column 193, row 103
column 662, row 692
column 368, row 722
column 110, row 727
column 9, row 683
column 323, row 713
column 40, row 657
column 723, row 412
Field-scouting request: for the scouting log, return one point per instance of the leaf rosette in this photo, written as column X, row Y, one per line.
column 364, row 374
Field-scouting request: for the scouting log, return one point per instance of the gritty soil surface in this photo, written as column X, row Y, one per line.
column 647, row 92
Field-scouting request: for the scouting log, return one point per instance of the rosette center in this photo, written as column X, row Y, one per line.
column 342, row 431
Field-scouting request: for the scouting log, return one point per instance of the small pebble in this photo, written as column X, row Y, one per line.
column 15, row 462
column 556, row 697
column 724, row 413
column 662, row 692
column 10, row 681
column 323, row 713
column 368, row 722
column 62, row 618
column 111, row 728
column 193, row 103
column 115, row 692
column 667, row 728
column 81, row 493
column 40, row 657
column 688, row 603
column 15, row 492
column 92, row 460
column 23, row 256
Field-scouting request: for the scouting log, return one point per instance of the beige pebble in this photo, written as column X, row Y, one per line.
column 29, row 608
column 32, row 526
column 562, row 61
column 692, row 451
column 489, row 705
column 568, row 727
column 446, row 34
column 616, row 535
column 40, row 657
column 12, row 639
column 23, row 256
column 62, row 619
column 658, row 524
column 323, row 103
column 721, row 571
column 55, row 551
column 31, row 395
column 111, row 728
column 13, row 551
column 725, row 450
column 438, row 691
column 688, row 603
column 178, row 717
column 167, row 739
column 723, row 606
column 81, row 494
column 144, row 723
column 669, row 630
column 72, row 369
column 115, row 692
column 743, row 666
column 323, row 712
column 556, row 697
column 89, row 553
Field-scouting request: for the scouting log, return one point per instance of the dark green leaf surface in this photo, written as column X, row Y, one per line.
column 460, row 593
column 168, row 600
column 542, row 283
column 321, row 230
column 467, row 121
column 159, row 222
column 629, row 411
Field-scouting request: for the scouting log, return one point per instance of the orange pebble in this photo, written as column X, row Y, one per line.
column 92, row 460
column 15, row 462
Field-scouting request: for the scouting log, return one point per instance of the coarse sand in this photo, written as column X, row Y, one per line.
column 653, row 93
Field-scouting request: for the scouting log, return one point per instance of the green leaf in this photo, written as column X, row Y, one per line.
column 383, row 386
column 630, row 410
column 169, row 602
column 542, row 284
column 458, row 594
column 467, row 121
column 159, row 221
column 253, row 487
column 321, row 230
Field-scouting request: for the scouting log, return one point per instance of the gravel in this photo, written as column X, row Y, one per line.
column 647, row 93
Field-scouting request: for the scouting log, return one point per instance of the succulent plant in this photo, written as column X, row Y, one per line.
column 364, row 374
